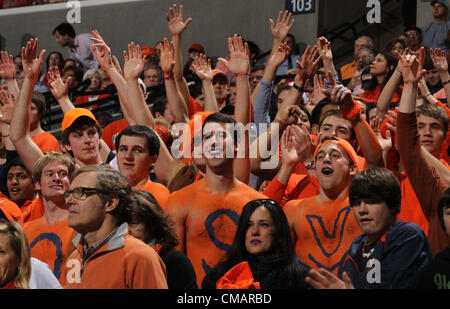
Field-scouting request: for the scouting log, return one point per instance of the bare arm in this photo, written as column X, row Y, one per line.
column 174, row 98
column 176, row 27
column 202, row 67
column 133, row 68
column 111, row 66
column 239, row 65
column 388, row 92
column 19, row 133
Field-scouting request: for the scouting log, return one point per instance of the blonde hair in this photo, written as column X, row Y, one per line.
column 18, row 241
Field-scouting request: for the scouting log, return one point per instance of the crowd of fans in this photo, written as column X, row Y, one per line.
column 232, row 172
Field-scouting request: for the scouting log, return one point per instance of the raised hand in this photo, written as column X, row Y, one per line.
column 239, row 63
column 288, row 115
column 439, row 59
column 280, row 56
column 7, row 107
column 202, row 67
column 324, row 49
column 288, row 150
column 58, row 88
column 303, row 143
column 31, row 63
column 308, row 64
column 7, row 68
column 385, row 143
column 412, row 66
column 102, row 52
column 283, row 25
column 134, row 62
column 167, row 58
column 318, row 91
column 339, row 95
column 175, row 20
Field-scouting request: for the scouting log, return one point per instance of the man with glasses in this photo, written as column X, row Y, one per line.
column 99, row 201
column 348, row 70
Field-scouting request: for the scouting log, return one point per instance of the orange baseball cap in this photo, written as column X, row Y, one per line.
column 344, row 145
column 73, row 115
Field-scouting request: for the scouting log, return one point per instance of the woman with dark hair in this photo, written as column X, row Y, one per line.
column 154, row 227
column 54, row 58
column 381, row 70
column 261, row 255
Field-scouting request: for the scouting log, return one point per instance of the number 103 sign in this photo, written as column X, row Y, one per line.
column 300, row 6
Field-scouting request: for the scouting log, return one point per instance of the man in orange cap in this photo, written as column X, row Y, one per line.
column 81, row 135
column 322, row 226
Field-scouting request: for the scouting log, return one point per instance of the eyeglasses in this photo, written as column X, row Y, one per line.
column 80, row 193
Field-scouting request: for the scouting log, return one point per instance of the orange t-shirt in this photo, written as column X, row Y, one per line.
column 112, row 130
column 206, row 222
column 46, row 142
column 50, row 243
column 322, row 232
column 298, row 187
column 32, row 210
column 10, row 209
column 193, row 107
column 159, row 191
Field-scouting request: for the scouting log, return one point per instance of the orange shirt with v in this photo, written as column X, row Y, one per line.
column 206, row 222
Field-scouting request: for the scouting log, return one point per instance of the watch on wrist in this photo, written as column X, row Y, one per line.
column 310, row 165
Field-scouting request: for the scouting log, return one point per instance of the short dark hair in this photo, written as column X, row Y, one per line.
column 317, row 110
column 222, row 118
column 379, row 184
column 16, row 161
column 336, row 113
column 65, row 28
column 151, row 138
column 159, row 106
column 444, row 203
column 39, row 100
column 436, row 112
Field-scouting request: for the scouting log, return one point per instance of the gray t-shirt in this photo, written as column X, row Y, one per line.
column 434, row 35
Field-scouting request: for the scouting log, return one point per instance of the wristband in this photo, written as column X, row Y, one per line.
column 398, row 70
column 301, row 89
column 310, row 165
column 168, row 76
column 446, row 82
column 352, row 113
